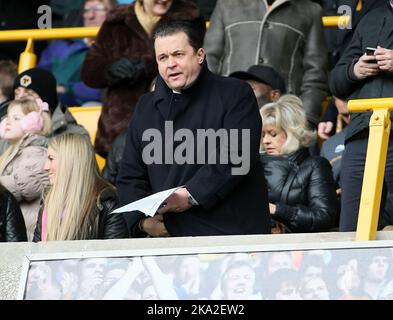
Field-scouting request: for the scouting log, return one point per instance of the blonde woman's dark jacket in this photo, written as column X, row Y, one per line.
column 110, row 226
column 303, row 189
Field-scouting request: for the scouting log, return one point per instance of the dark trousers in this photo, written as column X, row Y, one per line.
column 352, row 171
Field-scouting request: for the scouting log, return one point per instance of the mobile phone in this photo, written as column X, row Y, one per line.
column 370, row 52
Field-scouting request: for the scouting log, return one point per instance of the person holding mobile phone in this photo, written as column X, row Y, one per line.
column 363, row 73
column 337, row 41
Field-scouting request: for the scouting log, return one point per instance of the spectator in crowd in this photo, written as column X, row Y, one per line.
column 91, row 279
column 333, row 148
column 115, row 271
column 188, row 95
column 375, row 273
column 345, row 266
column 40, row 84
column 337, row 41
column 238, row 282
column 189, row 280
column 358, row 75
column 282, row 284
column 155, row 281
column 41, row 283
column 339, row 37
column 277, row 261
column 314, row 289
column 22, row 164
column 312, row 266
column 302, row 195
column 286, row 35
column 124, row 53
column 12, row 224
column 79, row 202
column 267, row 84
column 37, row 83
column 8, row 72
column 64, row 58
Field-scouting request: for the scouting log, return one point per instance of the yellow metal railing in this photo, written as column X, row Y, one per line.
column 28, row 59
column 335, row 21
column 48, row 34
column 328, row 21
column 374, row 170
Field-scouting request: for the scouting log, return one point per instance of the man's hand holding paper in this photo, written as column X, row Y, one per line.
column 176, row 202
column 152, row 203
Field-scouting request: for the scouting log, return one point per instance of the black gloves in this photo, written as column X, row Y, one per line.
column 125, row 71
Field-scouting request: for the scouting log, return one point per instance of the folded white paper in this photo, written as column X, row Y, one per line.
column 148, row 205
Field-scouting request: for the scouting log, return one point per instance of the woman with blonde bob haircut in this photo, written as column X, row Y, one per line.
column 21, row 165
column 287, row 114
column 301, row 188
column 79, row 201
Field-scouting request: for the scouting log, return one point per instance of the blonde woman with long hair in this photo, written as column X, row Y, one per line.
column 22, row 164
column 302, row 196
column 78, row 203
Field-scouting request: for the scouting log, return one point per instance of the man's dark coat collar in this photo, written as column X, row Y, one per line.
column 164, row 96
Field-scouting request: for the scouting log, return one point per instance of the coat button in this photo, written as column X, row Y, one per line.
column 261, row 60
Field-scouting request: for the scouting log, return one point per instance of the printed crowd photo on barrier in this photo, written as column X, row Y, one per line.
column 325, row 274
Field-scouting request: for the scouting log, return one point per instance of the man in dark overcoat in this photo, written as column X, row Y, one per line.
column 223, row 190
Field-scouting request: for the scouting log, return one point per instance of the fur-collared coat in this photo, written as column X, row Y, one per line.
column 122, row 35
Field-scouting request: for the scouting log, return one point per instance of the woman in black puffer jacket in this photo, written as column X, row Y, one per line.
column 302, row 195
column 12, row 224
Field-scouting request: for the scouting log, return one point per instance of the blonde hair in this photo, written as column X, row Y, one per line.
column 287, row 114
column 27, row 106
column 71, row 199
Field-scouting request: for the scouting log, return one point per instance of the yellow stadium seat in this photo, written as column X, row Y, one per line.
column 88, row 117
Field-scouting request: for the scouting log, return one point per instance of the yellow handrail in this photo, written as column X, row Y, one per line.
column 374, row 169
column 48, row 34
column 67, row 33
column 335, row 21
column 27, row 59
